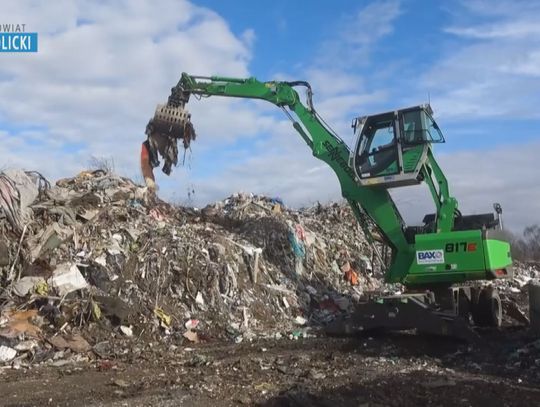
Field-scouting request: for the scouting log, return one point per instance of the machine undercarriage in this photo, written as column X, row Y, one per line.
column 437, row 311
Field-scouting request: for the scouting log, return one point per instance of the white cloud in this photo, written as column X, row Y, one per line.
column 477, row 179
column 514, row 30
column 92, row 87
column 490, row 8
column 357, row 32
column 493, row 73
column 290, row 172
column 341, row 91
column 100, row 70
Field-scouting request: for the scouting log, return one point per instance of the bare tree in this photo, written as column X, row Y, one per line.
column 101, row 163
column 527, row 246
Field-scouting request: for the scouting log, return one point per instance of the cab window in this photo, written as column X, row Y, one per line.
column 419, row 128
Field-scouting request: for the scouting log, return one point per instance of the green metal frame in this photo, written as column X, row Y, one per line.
column 445, row 204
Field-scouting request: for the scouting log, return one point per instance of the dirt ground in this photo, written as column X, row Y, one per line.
column 387, row 370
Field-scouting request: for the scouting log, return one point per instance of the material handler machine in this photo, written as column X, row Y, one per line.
column 439, row 262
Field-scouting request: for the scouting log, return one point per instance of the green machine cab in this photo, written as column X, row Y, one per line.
column 393, row 149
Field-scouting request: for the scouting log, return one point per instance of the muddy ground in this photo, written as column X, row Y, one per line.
column 386, row 370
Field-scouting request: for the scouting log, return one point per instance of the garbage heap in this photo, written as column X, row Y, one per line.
column 515, row 292
column 524, row 273
column 97, row 258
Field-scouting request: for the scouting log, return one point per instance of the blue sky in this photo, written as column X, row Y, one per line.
column 290, row 38
column 103, row 66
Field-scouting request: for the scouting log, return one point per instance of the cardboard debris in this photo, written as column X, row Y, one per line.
column 191, row 336
column 25, row 346
column 74, row 342
column 67, row 278
column 17, row 323
column 27, row 285
column 7, row 354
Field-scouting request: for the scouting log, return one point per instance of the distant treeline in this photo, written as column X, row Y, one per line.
column 527, row 246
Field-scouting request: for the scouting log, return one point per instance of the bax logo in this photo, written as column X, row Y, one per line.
column 14, row 38
column 430, row 256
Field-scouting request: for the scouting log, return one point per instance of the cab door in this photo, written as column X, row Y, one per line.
column 377, row 153
column 392, row 147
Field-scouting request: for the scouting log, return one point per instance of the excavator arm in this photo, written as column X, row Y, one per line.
column 393, row 150
column 366, row 202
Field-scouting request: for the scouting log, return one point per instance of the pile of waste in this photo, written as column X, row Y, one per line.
column 97, row 260
column 524, row 273
column 515, row 292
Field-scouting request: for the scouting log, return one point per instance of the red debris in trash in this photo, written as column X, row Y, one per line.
column 351, row 276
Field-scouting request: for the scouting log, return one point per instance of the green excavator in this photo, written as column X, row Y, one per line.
column 440, row 262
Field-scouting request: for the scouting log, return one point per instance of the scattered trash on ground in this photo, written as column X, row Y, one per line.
column 97, row 268
column 99, row 258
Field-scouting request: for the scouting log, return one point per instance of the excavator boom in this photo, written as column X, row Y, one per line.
column 393, row 149
column 368, row 195
column 367, row 202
